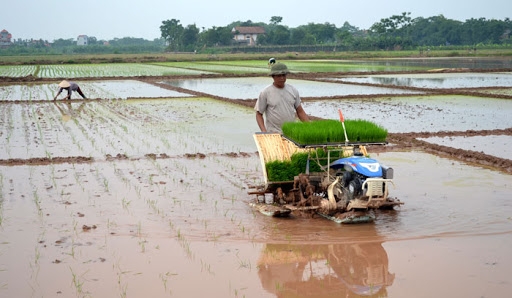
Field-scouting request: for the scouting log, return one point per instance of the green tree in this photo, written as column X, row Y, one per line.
column 392, row 24
column 216, row 36
column 172, row 31
column 190, row 37
column 344, row 38
column 92, row 40
column 63, row 42
column 323, row 33
column 280, row 35
column 435, row 31
column 297, row 35
column 275, row 20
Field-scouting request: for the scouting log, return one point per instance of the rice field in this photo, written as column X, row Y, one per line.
column 143, row 191
column 119, row 89
column 179, row 68
column 15, row 71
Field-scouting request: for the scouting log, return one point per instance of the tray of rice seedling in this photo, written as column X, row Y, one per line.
column 334, row 133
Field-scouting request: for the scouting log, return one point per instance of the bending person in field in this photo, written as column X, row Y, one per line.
column 279, row 102
column 70, row 87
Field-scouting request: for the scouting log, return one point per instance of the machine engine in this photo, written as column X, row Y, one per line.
column 361, row 179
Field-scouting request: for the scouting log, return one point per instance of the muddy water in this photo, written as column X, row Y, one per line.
column 158, row 226
column 136, row 198
column 421, row 113
column 249, row 88
column 122, row 89
column 463, row 62
column 493, row 145
column 438, row 80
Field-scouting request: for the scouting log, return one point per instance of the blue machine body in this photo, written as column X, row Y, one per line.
column 363, row 165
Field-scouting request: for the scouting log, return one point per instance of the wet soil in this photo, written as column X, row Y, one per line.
column 89, row 208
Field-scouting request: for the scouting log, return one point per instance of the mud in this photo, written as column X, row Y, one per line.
column 149, row 197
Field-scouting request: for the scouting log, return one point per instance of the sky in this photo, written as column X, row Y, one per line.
column 108, row 19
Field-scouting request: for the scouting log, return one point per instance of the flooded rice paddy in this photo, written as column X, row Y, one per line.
column 439, row 80
column 249, row 88
column 421, row 113
column 143, row 191
column 121, row 89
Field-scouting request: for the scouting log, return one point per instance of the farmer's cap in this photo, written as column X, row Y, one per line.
column 64, row 84
column 279, row 69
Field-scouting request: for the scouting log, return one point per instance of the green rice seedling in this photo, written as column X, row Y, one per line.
column 243, row 264
column 164, row 277
column 139, row 229
column 37, row 256
column 142, row 244
column 287, row 170
column 105, row 184
column 279, row 287
column 125, row 203
column 37, row 201
column 77, row 283
column 280, row 170
column 331, row 131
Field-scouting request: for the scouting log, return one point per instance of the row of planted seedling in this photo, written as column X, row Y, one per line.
column 101, row 70
column 16, row 71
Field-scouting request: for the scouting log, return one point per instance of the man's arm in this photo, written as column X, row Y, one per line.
column 261, row 122
column 58, row 93
column 302, row 114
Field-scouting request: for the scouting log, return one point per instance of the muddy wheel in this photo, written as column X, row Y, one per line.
column 345, row 196
column 347, row 177
column 354, row 188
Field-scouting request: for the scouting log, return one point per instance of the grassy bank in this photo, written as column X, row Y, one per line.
column 177, row 57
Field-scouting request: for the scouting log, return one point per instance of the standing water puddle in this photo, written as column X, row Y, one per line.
column 250, row 88
column 421, row 114
column 163, row 202
column 437, row 80
column 496, row 145
column 95, row 89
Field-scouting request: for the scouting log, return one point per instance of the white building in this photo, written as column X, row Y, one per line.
column 82, row 40
column 247, row 35
column 5, row 38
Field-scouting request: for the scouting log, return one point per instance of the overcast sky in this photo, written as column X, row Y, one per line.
column 107, row 19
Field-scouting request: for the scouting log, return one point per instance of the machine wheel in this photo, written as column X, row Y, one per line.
column 345, row 195
column 354, row 188
column 347, row 177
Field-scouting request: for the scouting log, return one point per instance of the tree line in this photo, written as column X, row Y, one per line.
column 394, row 33
column 125, row 45
column 398, row 32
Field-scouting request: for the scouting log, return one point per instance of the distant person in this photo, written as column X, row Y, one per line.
column 69, row 86
column 279, row 102
column 271, row 62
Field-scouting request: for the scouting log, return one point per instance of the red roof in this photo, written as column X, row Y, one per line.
column 250, row 30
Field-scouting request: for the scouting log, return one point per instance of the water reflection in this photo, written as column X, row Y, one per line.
column 249, row 88
column 325, row 270
column 437, row 80
column 473, row 63
column 67, row 111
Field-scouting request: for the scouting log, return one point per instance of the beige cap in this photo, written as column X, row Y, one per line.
column 64, row 84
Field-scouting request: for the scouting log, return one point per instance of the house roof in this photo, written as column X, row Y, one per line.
column 249, row 30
